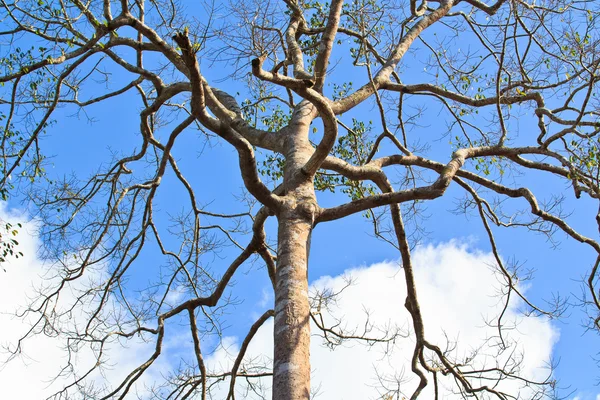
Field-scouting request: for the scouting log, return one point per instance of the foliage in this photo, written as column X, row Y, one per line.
column 8, row 243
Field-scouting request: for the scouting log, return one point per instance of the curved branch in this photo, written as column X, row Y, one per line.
column 245, row 152
column 238, row 360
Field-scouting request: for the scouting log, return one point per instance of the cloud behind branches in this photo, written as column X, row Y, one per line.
column 458, row 289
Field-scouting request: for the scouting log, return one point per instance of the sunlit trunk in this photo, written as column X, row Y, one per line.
column 291, row 364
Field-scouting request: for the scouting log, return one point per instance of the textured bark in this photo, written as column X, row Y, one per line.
column 291, row 364
column 291, row 369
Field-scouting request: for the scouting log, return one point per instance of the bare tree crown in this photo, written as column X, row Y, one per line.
column 330, row 97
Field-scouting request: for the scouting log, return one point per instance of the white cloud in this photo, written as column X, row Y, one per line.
column 457, row 291
column 175, row 295
column 266, row 298
column 456, row 288
column 33, row 373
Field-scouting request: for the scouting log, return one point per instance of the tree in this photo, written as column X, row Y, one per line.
column 299, row 76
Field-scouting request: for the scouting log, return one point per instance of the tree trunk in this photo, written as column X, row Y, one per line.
column 291, row 365
column 291, row 362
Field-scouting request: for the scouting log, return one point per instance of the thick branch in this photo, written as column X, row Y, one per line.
column 247, row 161
column 399, row 51
column 430, row 192
column 326, row 45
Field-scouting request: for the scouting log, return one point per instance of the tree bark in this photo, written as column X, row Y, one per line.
column 296, row 218
column 291, row 366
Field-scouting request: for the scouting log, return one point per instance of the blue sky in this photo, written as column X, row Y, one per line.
column 455, row 247
column 450, row 302
column 78, row 146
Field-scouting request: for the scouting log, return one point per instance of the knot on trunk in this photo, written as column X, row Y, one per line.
column 307, row 210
